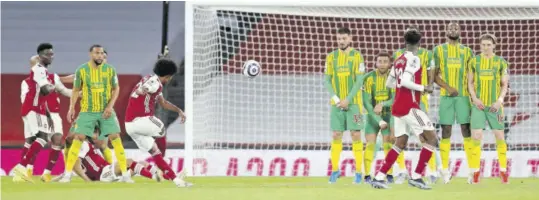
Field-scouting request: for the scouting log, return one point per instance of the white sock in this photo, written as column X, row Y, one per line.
column 46, row 172
column 178, row 181
column 416, row 176
column 503, row 170
column 127, row 174
column 380, row 176
column 153, row 169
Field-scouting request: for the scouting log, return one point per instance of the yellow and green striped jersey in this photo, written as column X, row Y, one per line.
column 488, row 73
column 427, row 63
column 343, row 67
column 453, row 61
column 96, row 83
column 375, row 90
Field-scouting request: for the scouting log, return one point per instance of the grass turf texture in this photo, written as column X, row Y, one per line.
column 265, row 188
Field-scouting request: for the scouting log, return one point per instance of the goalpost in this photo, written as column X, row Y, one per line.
column 278, row 123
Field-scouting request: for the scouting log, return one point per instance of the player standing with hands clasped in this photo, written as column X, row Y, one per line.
column 488, row 82
column 344, row 78
column 405, row 76
column 143, row 126
column 99, row 84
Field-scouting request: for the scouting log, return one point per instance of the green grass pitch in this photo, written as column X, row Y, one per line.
column 266, row 188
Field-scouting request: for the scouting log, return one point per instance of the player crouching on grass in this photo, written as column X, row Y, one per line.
column 377, row 100
column 140, row 122
column 488, row 82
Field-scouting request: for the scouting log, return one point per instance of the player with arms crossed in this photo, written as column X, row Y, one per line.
column 488, row 82
column 36, row 118
column 140, row 122
column 344, row 74
column 406, row 76
column 100, row 89
column 377, row 100
column 451, row 63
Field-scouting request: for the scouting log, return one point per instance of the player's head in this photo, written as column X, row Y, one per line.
column 383, row 61
column 344, row 38
column 453, row 31
column 97, row 54
column 165, row 69
column 488, row 43
column 412, row 36
column 45, row 53
column 34, row 60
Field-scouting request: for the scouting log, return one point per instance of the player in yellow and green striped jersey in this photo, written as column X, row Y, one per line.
column 488, row 83
column 98, row 82
column 451, row 60
column 377, row 101
column 427, row 62
column 343, row 80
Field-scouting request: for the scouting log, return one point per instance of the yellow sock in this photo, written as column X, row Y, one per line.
column 387, row 147
column 357, row 148
column 120, row 154
column 476, row 154
column 432, row 163
column 336, row 149
column 501, row 148
column 107, row 153
column 445, row 148
column 400, row 161
column 468, row 149
column 369, row 156
column 66, row 152
column 73, row 155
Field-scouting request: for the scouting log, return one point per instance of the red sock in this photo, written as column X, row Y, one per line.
column 168, row 173
column 25, row 150
column 424, row 157
column 34, row 149
column 161, row 144
column 139, row 169
column 391, row 157
column 53, row 157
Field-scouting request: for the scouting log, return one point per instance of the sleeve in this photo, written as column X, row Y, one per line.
column 430, row 65
column 114, row 79
column 77, row 80
column 367, row 99
column 469, row 59
column 435, row 57
column 471, row 65
column 84, row 149
column 24, row 90
column 329, row 75
column 40, row 76
column 395, row 55
column 389, row 102
column 361, row 64
column 329, row 65
column 60, row 87
column 413, row 64
column 151, row 85
column 407, row 81
column 504, row 70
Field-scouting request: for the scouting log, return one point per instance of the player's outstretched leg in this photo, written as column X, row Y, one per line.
column 56, row 148
column 168, row 173
column 379, row 180
column 35, row 148
column 28, row 142
column 424, row 156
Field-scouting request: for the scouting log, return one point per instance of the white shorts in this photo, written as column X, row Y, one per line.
column 108, row 175
column 57, row 122
column 143, row 130
column 34, row 123
column 416, row 121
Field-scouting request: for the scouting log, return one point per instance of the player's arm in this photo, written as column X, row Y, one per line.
column 471, row 81
column 367, row 102
column 80, row 172
column 24, row 90
column 389, row 102
column 75, row 93
column 60, row 87
column 360, row 70
column 328, row 77
column 412, row 66
column 115, row 89
column 40, row 77
column 430, row 68
column 504, row 82
column 391, row 81
column 67, row 79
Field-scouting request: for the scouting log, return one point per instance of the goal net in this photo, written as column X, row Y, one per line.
column 277, row 124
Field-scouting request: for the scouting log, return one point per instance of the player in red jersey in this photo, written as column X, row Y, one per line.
column 405, row 76
column 33, row 109
column 140, row 122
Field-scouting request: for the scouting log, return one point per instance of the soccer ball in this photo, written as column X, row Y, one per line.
column 251, row 68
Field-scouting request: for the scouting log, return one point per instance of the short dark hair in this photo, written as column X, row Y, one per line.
column 95, row 46
column 412, row 35
column 488, row 36
column 344, row 30
column 165, row 67
column 383, row 53
column 105, row 52
column 43, row 46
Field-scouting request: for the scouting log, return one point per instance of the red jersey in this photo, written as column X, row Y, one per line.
column 53, row 99
column 92, row 162
column 143, row 105
column 31, row 99
column 405, row 98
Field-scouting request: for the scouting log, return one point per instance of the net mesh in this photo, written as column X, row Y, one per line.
column 287, row 106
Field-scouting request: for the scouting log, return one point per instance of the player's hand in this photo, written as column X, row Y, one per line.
column 182, row 117
column 70, row 115
column 107, row 112
column 429, row 89
column 343, row 104
column 383, row 125
column 378, row 108
column 495, row 107
column 452, row 92
column 478, row 103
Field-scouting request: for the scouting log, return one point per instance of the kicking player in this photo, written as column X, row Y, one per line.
column 344, row 74
column 100, row 90
column 488, row 82
column 37, row 122
column 377, row 100
column 451, row 60
column 140, row 122
column 406, row 76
